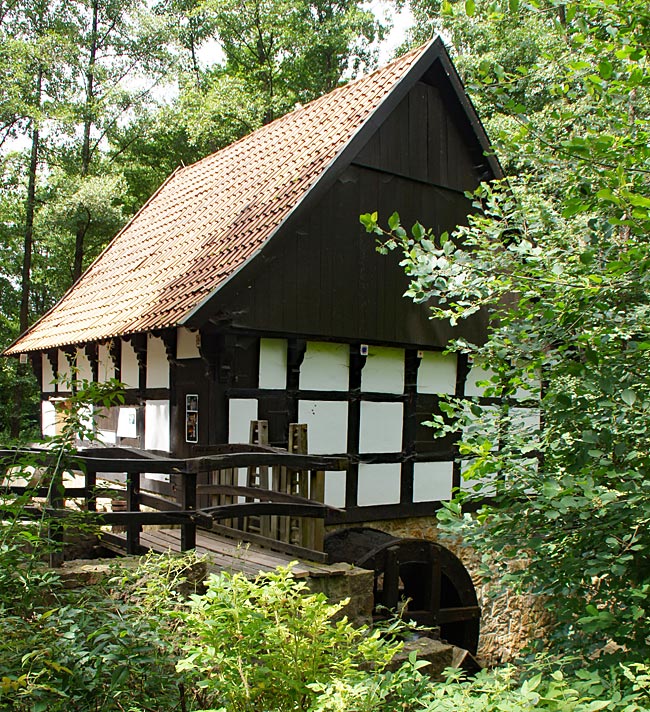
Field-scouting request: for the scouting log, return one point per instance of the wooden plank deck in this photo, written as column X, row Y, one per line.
column 227, row 554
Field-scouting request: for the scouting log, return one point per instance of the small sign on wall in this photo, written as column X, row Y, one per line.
column 191, row 418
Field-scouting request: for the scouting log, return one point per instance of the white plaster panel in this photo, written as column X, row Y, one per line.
column 130, row 372
column 106, row 367
column 477, row 374
column 84, row 369
column 107, row 437
column 157, row 363
column 335, row 488
column 240, row 413
column 379, row 484
column 63, row 371
column 325, row 367
column 327, row 425
column 48, row 419
column 48, row 375
column 528, row 418
column 156, row 425
column 432, row 481
column 158, row 476
column 530, row 389
column 273, row 363
column 437, row 373
column 383, row 371
column 127, row 423
column 187, row 343
column 381, row 427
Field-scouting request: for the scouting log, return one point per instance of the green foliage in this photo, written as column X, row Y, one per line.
column 270, row 644
column 110, row 647
column 26, row 543
column 505, row 690
column 559, row 258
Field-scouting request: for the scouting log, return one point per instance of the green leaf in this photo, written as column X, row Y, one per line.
column 470, row 7
column 418, row 231
column 605, row 69
column 628, row 396
column 393, row 221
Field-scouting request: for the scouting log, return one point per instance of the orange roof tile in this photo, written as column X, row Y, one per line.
column 207, row 219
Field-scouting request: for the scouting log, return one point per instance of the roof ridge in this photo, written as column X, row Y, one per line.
column 309, row 105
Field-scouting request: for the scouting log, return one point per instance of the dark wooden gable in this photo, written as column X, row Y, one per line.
column 321, row 276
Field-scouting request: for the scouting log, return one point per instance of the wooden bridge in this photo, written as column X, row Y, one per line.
column 279, row 513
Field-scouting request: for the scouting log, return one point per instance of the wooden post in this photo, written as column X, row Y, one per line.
column 91, row 487
column 317, row 494
column 258, row 477
column 300, row 531
column 133, row 505
column 391, row 578
column 188, row 530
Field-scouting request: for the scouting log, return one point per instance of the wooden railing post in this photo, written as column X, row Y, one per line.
column 188, row 529
column 317, row 494
column 91, row 488
column 133, row 505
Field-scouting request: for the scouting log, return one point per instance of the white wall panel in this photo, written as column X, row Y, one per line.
column 379, row 484
column 156, row 425
column 106, row 367
column 127, row 422
column 437, row 373
column 325, row 367
column 528, row 418
column 157, row 363
column 48, row 419
column 130, row 371
column 383, row 371
column 327, row 425
column 475, row 375
column 432, row 481
column 63, row 371
column 381, row 427
column 48, row 375
column 187, row 343
column 240, row 413
column 107, row 437
column 335, row 488
column 157, row 476
column 84, row 369
column 273, row 363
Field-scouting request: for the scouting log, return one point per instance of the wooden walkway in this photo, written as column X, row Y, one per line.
column 226, row 554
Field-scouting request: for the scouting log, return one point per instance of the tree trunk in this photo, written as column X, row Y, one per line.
column 26, row 278
column 82, row 225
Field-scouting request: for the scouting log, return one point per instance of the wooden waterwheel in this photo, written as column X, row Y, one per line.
column 437, row 587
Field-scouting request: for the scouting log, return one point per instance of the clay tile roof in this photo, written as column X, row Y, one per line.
column 207, row 219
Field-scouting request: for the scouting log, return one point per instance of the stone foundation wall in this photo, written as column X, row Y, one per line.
column 508, row 621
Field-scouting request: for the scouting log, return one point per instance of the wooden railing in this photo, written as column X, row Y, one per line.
column 274, row 505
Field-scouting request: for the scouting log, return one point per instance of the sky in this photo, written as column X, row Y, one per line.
column 401, row 22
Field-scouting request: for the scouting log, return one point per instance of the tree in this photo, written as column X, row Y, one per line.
column 292, row 51
column 561, row 264
column 270, row 56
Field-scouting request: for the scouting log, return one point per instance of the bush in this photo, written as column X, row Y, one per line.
column 269, row 644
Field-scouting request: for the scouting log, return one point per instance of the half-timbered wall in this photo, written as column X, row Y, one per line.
column 364, row 400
